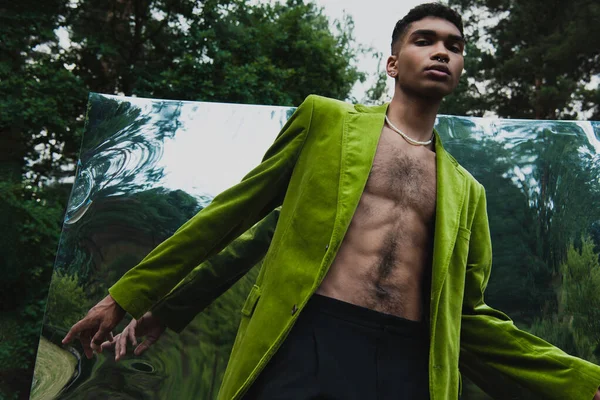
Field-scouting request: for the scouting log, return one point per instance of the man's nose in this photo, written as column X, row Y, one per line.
column 440, row 52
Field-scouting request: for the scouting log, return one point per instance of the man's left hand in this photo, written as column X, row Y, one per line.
column 97, row 325
column 597, row 395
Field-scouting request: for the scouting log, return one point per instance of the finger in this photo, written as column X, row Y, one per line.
column 100, row 337
column 107, row 345
column 132, row 337
column 123, row 348
column 118, row 346
column 117, row 342
column 122, row 345
column 145, row 345
column 77, row 329
column 84, row 339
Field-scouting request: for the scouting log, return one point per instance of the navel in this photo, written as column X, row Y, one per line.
column 380, row 292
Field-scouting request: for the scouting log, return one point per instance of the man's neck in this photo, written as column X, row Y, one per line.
column 413, row 115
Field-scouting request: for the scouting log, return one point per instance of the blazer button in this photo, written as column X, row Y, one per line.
column 294, row 309
column 326, row 247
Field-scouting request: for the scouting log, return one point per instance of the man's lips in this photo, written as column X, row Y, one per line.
column 439, row 67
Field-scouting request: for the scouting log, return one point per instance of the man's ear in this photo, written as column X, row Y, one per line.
column 391, row 66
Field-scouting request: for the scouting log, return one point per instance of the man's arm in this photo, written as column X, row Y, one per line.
column 212, row 278
column 490, row 337
column 229, row 215
column 204, row 284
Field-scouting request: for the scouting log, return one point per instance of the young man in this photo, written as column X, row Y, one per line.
column 373, row 285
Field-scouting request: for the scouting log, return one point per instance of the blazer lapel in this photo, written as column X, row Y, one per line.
column 450, row 196
column 360, row 136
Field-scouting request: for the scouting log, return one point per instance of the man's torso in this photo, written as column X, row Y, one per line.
column 388, row 246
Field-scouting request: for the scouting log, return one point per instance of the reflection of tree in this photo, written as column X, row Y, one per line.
column 556, row 171
column 488, row 160
column 124, row 143
column 560, row 187
column 118, row 231
column 111, row 238
column 575, row 327
column 541, row 195
column 189, row 365
column 67, row 301
column 127, row 218
column 118, row 164
column 541, row 184
column 106, row 117
column 202, row 350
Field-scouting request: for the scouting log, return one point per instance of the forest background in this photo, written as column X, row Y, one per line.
column 527, row 59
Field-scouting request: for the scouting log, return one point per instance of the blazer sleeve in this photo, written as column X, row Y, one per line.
column 489, row 337
column 212, row 278
column 230, row 214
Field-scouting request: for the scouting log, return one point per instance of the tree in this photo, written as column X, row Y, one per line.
column 537, row 58
column 28, row 238
column 212, row 50
column 35, row 124
column 224, row 50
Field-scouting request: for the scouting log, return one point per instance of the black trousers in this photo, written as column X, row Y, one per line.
column 339, row 351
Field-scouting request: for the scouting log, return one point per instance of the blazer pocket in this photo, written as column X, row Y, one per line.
column 251, row 301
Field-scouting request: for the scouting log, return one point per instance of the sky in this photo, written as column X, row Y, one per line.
column 374, row 22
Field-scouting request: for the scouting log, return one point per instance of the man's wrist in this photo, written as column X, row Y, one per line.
column 116, row 303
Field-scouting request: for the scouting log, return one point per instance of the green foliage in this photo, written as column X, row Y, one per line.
column 40, row 100
column 535, row 58
column 19, row 335
column 126, row 228
column 579, row 297
column 377, row 93
column 536, row 187
column 261, row 53
column 29, row 238
column 575, row 328
column 215, row 50
column 30, row 221
column 67, row 301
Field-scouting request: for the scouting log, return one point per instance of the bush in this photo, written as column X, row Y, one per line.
column 67, row 301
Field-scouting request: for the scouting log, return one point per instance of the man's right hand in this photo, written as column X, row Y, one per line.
column 149, row 326
column 96, row 326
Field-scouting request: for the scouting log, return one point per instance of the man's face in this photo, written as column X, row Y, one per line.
column 428, row 59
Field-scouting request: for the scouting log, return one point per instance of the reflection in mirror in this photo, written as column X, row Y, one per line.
column 147, row 166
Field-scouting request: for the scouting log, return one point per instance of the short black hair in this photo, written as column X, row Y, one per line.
column 422, row 11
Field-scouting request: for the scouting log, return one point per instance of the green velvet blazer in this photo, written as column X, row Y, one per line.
column 316, row 170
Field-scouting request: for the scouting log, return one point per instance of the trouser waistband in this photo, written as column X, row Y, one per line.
column 366, row 317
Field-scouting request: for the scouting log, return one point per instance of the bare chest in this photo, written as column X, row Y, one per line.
column 388, row 245
column 404, row 175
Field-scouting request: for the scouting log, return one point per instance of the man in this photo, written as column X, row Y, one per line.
column 373, row 285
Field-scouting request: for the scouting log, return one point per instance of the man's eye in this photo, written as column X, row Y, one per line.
column 422, row 42
column 455, row 49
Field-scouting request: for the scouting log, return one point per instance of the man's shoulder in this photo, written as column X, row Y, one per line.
column 471, row 180
column 322, row 103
